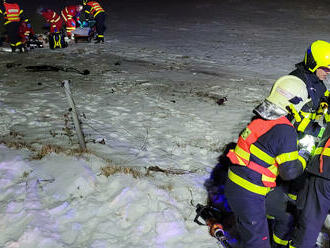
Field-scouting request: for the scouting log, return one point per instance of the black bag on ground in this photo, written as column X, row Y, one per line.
column 56, row 40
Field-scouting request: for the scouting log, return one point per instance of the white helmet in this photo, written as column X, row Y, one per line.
column 289, row 91
column 79, row 8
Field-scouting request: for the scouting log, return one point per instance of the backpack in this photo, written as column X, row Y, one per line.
column 56, row 40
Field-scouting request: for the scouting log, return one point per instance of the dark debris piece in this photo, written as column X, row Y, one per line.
column 11, row 65
column 222, row 100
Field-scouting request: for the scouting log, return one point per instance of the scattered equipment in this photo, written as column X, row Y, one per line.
column 56, row 40
column 34, row 41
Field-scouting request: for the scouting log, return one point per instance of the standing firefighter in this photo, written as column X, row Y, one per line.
column 317, row 196
column 266, row 149
column 70, row 15
column 95, row 10
column 281, row 203
column 13, row 17
column 313, row 70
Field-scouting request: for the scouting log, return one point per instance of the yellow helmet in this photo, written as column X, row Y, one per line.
column 289, row 91
column 317, row 55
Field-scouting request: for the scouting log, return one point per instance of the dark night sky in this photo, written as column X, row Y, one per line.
column 29, row 5
column 120, row 7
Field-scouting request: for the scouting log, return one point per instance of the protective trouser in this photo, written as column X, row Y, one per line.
column 13, row 35
column 250, row 211
column 100, row 26
column 276, row 207
column 314, row 213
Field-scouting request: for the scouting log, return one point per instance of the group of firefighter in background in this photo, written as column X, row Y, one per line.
column 19, row 31
column 272, row 187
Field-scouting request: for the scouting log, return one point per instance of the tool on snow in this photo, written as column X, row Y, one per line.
column 210, row 215
column 37, row 68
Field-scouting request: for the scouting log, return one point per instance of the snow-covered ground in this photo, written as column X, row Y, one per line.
column 150, row 115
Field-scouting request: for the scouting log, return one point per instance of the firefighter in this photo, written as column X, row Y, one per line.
column 317, row 196
column 282, row 203
column 70, row 15
column 266, row 148
column 95, row 10
column 13, row 15
column 313, row 71
column 28, row 36
column 25, row 31
column 56, row 36
column 55, row 21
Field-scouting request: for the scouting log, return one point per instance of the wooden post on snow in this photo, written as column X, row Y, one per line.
column 76, row 121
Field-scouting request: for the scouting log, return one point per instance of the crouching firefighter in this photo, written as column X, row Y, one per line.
column 56, row 37
column 316, row 196
column 13, row 15
column 266, row 149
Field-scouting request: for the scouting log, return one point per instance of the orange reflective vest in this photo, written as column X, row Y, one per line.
column 96, row 8
column 13, row 12
column 241, row 154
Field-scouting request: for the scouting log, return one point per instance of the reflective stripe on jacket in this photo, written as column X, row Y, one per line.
column 51, row 16
column 55, row 18
column 245, row 147
column 95, row 8
column 308, row 118
column 69, row 12
column 12, row 13
column 310, row 111
column 320, row 163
